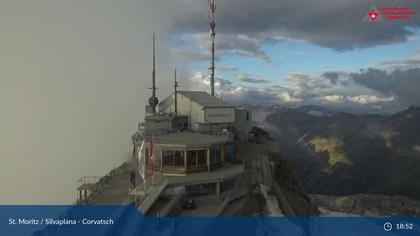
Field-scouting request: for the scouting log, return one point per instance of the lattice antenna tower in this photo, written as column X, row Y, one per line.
column 212, row 23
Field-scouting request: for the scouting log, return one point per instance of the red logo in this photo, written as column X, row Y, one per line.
column 373, row 15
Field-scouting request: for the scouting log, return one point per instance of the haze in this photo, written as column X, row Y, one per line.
column 74, row 77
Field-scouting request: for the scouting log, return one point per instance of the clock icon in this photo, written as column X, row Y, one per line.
column 387, row 226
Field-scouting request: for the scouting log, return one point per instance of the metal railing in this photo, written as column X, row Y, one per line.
column 88, row 179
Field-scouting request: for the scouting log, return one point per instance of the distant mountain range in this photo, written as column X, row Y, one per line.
column 367, row 205
column 341, row 153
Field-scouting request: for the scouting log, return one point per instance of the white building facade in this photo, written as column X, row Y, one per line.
column 207, row 114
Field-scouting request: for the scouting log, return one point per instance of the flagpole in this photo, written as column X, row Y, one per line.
column 152, row 158
column 145, row 174
column 135, row 179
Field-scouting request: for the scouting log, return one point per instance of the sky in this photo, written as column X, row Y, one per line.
column 75, row 74
column 302, row 52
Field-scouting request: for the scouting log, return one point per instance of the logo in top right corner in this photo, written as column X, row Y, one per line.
column 373, row 15
column 384, row 13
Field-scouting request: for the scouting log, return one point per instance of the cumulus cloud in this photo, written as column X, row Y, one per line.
column 368, row 99
column 403, row 84
column 251, row 79
column 238, row 94
column 332, row 76
column 332, row 98
column 304, row 89
column 287, row 97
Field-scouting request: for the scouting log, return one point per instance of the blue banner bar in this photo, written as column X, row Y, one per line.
column 126, row 220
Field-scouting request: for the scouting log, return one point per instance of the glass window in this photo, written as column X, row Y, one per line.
column 179, row 158
column 202, row 158
column 191, row 158
column 215, row 156
column 168, row 158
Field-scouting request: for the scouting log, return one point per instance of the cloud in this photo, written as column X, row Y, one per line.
column 304, row 89
column 238, row 94
column 244, row 26
column 403, row 84
column 332, row 76
column 227, row 69
column 230, row 44
column 366, row 91
column 72, row 71
column 404, row 63
column 368, row 99
column 251, row 79
column 287, row 97
column 332, row 98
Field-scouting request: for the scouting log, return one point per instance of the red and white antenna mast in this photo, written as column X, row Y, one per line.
column 212, row 36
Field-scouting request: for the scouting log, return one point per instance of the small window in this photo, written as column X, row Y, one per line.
column 247, row 116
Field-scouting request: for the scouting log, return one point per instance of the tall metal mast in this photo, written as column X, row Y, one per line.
column 212, row 36
column 176, row 85
column 153, row 100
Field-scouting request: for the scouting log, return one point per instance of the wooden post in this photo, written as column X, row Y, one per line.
column 208, row 159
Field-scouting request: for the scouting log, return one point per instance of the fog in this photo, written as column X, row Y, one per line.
column 74, row 78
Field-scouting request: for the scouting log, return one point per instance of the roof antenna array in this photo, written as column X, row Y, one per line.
column 212, row 36
column 153, row 100
column 176, row 85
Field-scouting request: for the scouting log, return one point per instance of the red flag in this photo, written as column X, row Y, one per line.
column 152, row 155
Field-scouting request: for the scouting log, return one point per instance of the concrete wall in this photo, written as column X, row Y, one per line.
column 212, row 128
column 219, row 115
column 243, row 123
column 153, row 126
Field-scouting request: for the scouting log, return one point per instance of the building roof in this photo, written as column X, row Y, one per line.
column 202, row 98
column 167, row 102
column 205, row 99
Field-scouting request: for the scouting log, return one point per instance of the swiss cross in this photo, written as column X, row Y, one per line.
column 373, row 15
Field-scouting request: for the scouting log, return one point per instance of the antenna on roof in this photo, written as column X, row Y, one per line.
column 212, row 36
column 176, row 85
column 153, row 100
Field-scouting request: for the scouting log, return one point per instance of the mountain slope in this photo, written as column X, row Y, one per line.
column 347, row 154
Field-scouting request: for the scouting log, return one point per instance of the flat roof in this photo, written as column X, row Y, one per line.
column 205, row 99
column 202, row 98
column 188, row 139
